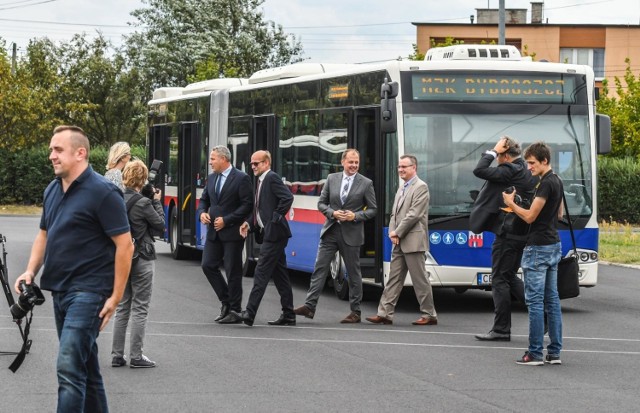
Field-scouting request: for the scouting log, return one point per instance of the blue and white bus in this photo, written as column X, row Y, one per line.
column 445, row 110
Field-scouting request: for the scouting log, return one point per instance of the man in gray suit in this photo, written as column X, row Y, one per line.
column 347, row 200
column 408, row 234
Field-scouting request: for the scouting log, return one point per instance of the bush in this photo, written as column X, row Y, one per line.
column 618, row 185
column 24, row 175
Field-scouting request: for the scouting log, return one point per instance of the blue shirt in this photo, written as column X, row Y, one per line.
column 80, row 254
column 223, row 176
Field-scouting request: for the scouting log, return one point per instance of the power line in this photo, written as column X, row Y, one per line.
column 64, row 23
column 366, row 25
column 27, row 5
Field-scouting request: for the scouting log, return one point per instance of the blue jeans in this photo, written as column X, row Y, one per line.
column 540, row 267
column 80, row 385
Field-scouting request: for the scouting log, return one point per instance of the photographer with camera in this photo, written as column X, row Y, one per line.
column 145, row 215
column 85, row 247
column 509, row 243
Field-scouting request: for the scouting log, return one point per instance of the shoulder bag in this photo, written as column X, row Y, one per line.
column 568, row 269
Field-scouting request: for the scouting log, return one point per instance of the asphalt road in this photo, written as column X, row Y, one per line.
column 323, row 366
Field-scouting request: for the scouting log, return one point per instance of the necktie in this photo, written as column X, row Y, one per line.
column 404, row 188
column 218, row 185
column 345, row 190
column 255, row 204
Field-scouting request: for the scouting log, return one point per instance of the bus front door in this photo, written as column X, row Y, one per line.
column 183, row 216
column 366, row 132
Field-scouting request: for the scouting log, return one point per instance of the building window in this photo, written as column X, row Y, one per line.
column 581, row 56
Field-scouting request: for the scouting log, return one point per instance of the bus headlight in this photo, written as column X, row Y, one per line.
column 585, row 256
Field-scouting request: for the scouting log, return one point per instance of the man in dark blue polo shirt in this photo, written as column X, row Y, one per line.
column 85, row 247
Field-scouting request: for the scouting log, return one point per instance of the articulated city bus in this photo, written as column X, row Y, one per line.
column 446, row 110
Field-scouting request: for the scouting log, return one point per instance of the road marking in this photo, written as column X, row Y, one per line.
column 361, row 342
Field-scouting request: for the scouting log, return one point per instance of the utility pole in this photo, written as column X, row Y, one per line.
column 501, row 18
column 13, row 58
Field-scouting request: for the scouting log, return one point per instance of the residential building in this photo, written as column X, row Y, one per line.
column 604, row 47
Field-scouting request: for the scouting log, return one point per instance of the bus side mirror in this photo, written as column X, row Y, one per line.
column 388, row 93
column 603, row 134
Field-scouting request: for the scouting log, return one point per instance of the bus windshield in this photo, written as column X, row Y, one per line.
column 449, row 145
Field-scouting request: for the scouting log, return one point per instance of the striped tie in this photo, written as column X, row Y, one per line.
column 345, row 190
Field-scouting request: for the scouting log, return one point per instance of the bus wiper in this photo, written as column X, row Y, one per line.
column 447, row 219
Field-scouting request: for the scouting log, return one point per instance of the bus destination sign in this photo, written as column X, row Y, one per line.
column 462, row 87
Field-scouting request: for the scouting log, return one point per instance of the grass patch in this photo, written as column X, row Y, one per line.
column 20, row 210
column 619, row 243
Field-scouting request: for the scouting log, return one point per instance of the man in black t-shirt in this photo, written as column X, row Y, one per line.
column 541, row 256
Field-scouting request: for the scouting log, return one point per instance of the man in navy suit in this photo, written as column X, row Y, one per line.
column 269, row 224
column 224, row 206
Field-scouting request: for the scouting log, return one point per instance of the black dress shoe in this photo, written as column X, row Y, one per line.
column 224, row 311
column 283, row 321
column 493, row 336
column 231, row 318
column 246, row 318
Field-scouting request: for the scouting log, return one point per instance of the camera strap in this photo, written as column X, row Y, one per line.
column 26, row 344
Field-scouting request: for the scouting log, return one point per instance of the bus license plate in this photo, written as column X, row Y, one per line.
column 484, row 278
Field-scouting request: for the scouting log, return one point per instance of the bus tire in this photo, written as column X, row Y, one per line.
column 338, row 275
column 178, row 252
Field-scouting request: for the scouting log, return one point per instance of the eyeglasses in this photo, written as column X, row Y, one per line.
column 404, row 166
column 256, row 163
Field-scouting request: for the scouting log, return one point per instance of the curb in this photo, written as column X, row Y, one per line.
column 634, row 266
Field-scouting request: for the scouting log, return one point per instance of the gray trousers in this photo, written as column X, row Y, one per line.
column 401, row 263
column 134, row 304
column 331, row 242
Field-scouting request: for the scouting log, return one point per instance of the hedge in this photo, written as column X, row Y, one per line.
column 619, row 185
column 25, row 175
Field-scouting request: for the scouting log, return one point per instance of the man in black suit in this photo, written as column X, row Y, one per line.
column 507, row 248
column 269, row 224
column 224, row 206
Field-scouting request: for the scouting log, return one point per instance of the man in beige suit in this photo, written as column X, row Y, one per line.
column 408, row 234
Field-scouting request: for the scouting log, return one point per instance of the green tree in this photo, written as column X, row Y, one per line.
column 624, row 111
column 102, row 94
column 188, row 40
column 416, row 55
column 29, row 100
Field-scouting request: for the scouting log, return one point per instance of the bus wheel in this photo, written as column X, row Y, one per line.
column 339, row 277
column 178, row 252
column 248, row 265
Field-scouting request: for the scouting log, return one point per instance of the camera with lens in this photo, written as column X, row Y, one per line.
column 149, row 190
column 30, row 296
column 520, row 201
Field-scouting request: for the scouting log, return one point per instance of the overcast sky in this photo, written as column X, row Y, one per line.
column 340, row 31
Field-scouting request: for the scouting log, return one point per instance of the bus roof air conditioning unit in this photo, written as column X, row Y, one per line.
column 214, row 84
column 167, row 92
column 474, row 52
column 296, row 70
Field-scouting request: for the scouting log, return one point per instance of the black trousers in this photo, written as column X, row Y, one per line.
column 506, row 255
column 215, row 254
column 272, row 263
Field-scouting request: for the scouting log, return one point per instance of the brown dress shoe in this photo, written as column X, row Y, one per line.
column 304, row 311
column 352, row 318
column 426, row 321
column 379, row 320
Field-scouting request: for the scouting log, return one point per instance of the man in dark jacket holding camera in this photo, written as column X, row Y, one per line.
column 509, row 243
